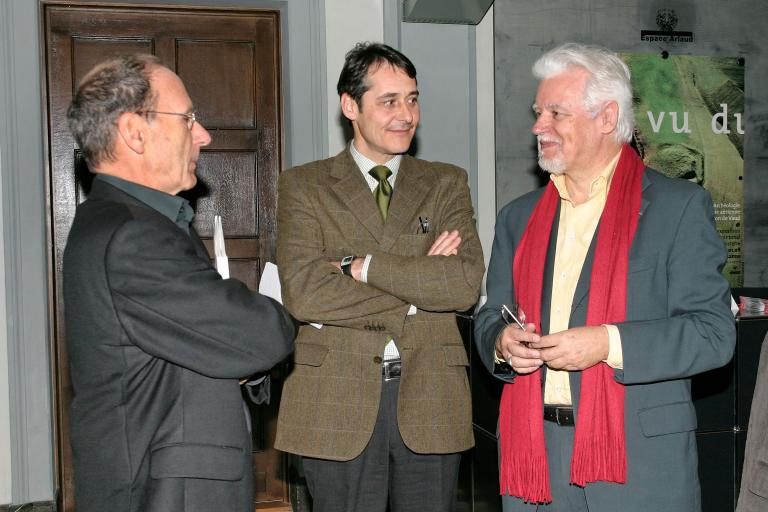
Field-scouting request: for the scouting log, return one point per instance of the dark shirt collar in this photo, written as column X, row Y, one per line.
column 177, row 209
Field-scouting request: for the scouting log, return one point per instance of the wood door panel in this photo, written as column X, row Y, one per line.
column 229, row 60
column 90, row 51
column 202, row 64
column 231, row 139
column 231, row 178
column 247, row 271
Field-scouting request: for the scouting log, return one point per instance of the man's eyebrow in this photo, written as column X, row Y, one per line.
column 550, row 106
column 391, row 95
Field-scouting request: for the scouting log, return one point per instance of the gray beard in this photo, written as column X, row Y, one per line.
column 552, row 166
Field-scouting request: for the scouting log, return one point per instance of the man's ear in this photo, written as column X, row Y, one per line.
column 132, row 129
column 349, row 107
column 609, row 117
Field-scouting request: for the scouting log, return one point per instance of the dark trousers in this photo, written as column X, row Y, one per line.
column 387, row 472
column 566, row 497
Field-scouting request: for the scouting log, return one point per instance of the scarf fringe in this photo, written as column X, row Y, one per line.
column 532, row 486
column 599, row 460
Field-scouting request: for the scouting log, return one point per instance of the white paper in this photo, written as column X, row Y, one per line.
column 222, row 262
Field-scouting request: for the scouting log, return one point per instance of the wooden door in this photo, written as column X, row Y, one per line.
column 229, row 61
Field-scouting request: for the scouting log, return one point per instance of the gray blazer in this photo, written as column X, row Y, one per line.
column 753, row 496
column 678, row 324
column 157, row 342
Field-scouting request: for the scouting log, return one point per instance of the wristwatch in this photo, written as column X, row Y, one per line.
column 346, row 265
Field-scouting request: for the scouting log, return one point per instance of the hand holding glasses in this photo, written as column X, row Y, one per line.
column 513, row 315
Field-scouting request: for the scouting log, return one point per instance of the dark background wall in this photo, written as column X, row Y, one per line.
column 734, row 28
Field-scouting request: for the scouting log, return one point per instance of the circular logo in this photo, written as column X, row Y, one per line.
column 666, row 19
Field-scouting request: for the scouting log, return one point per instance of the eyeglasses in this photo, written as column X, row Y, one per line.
column 191, row 117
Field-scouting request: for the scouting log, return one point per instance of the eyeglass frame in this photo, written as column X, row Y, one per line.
column 190, row 117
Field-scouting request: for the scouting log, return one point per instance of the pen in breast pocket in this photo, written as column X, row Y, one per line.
column 424, row 224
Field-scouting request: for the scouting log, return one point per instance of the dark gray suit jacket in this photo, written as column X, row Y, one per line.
column 678, row 324
column 157, row 342
column 754, row 479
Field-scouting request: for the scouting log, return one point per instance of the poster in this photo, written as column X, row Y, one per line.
column 690, row 124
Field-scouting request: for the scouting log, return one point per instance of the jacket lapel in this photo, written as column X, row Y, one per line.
column 352, row 190
column 411, row 187
column 582, row 288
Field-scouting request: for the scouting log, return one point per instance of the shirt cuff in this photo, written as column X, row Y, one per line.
column 364, row 270
column 496, row 357
column 615, row 357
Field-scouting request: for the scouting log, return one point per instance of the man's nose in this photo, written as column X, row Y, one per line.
column 540, row 126
column 200, row 135
column 405, row 113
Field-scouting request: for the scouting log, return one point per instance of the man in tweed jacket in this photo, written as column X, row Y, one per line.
column 378, row 402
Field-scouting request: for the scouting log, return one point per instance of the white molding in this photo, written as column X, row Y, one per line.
column 347, row 23
column 393, row 17
column 6, row 461
column 23, row 216
column 7, row 145
column 318, row 85
column 486, row 134
column 6, row 481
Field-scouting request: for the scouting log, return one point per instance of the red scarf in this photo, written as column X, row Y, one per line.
column 598, row 451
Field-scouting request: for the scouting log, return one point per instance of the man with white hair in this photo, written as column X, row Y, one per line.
column 617, row 271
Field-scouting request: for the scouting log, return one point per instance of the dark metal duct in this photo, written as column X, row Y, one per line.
column 460, row 12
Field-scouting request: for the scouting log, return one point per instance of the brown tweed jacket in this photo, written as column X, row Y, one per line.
column 330, row 401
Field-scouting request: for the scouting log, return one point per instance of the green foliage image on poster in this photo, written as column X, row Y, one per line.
column 690, row 125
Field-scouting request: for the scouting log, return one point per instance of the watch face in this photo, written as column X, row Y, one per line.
column 347, row 260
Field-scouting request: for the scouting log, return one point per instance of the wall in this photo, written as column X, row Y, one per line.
column 524, row 30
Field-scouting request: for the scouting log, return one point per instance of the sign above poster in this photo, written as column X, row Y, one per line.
column 667, row 20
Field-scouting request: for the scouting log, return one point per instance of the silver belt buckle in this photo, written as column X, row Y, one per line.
column 564, row 416
column 391, row 369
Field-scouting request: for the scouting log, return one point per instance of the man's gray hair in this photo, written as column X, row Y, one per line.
column 609, row 80
column 113, row 87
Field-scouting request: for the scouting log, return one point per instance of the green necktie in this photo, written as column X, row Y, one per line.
column 383, row 192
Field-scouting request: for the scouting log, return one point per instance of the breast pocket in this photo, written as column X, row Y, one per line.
column 664, row 419
column 414, row 244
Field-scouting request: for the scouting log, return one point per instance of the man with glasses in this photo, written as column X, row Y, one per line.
column 157, row 341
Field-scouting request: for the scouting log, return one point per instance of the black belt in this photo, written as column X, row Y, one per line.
column 560, row 414
column 390, row 369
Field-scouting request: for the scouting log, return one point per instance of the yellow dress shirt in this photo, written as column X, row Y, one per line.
column 576, row 227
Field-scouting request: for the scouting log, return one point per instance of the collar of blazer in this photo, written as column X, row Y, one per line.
column 411, row 187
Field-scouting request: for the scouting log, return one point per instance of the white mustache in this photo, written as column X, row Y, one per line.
column 547, row 138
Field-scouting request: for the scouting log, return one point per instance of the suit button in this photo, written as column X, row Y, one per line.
column 377, row 360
